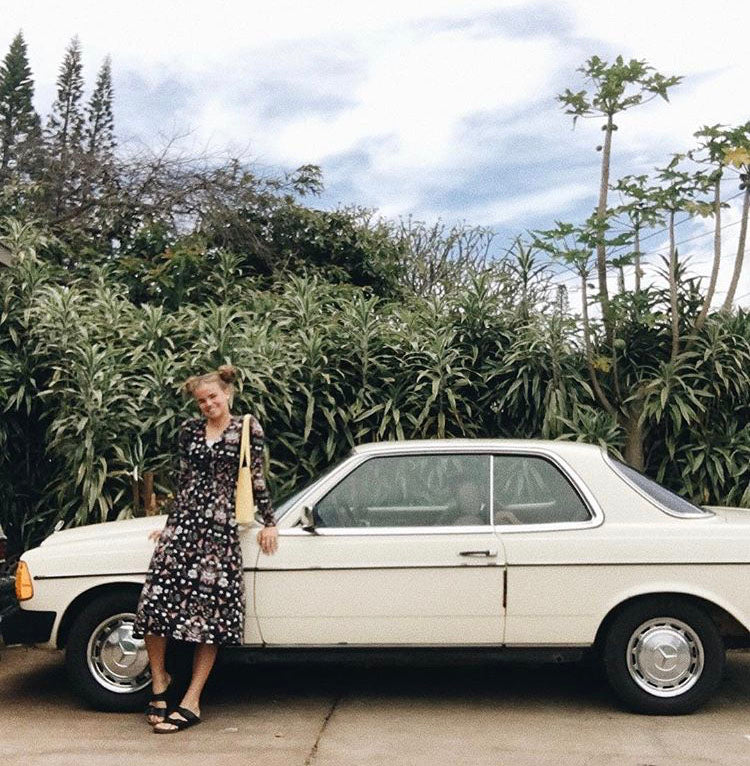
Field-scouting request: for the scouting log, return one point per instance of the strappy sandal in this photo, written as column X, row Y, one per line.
column 190, row 719
column 159, row 712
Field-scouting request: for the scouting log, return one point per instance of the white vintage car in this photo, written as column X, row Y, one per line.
column 509, row 548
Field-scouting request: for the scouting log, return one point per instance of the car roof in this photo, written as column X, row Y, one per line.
column 562, row 448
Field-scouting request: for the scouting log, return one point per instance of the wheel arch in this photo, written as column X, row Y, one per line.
column 732, row 631
column 82, row 600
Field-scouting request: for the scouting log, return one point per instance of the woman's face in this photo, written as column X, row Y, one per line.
column 212, row 400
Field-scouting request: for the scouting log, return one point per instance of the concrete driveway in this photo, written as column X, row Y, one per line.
column 283, row 715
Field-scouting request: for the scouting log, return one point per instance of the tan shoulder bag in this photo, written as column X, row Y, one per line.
column 244, row 505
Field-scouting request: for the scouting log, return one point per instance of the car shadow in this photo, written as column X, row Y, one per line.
column 491, row 682
column 575, row 685
column 34, row 675
column 38, row 678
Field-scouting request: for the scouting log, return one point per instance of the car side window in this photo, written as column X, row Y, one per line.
column 410, row 491
column 532, row 490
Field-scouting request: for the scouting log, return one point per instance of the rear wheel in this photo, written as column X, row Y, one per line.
column 663, row 656
column 105, row 664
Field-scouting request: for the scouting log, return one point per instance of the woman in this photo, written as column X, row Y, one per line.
column 194, row 589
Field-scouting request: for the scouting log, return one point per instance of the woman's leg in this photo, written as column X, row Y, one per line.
column 203, row 662
column 156, row 646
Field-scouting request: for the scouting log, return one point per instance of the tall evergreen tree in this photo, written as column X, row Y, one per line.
column 100, row 128
column 98, row 181
column 19, row 122
column 65, row 126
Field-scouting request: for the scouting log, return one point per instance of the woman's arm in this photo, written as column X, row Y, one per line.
column 260, row 489
column 185, row 468
column 268, row 536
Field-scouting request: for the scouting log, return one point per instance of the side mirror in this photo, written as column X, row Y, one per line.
column 308, row 520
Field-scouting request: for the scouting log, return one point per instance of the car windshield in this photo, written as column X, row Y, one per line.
column 286, row 501
column 668, row 501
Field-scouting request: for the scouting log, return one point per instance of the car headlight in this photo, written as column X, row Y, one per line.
column 24, row 586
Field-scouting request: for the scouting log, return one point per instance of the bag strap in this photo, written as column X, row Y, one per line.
column 245, row 442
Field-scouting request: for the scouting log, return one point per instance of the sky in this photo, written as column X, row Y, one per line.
column 442, row 110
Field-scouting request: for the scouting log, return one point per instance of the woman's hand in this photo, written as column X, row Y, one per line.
column 155, row 535
column 268, row 539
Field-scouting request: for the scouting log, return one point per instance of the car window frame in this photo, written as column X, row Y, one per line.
column 331, row 475
column 321, row 486
column 596, row 515
column 405, row 530
column 293, row 500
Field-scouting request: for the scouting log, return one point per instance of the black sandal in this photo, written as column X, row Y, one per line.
column 191, row 719
column 159, row 712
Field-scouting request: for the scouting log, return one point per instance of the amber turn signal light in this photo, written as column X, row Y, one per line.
column 24, row 586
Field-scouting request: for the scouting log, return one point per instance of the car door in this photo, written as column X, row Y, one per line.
column 547, row 520
column 403, row 554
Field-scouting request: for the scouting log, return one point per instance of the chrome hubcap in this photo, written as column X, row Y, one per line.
column 665, row 657
column 118, row 661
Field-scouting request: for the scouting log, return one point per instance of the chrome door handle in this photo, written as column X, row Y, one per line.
column 490, row 554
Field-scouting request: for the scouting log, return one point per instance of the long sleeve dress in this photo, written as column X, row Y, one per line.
column 194, row 588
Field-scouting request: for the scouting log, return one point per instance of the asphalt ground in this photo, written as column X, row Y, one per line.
column 323, row 715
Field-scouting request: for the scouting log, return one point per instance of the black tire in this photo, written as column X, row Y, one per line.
column 663, row 656
column 90, row 683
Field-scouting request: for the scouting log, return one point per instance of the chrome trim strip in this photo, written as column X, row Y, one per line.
column 492, row 490
column 475, row 564
column 438, row 647
column 707, row 514
column 100, row 574
column 463, row 444
column 506, row 566
column 386, row 531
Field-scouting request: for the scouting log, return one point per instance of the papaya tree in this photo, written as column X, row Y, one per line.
column 640, row 209
column 679, row 191
column 614, row 88
column 737, row 156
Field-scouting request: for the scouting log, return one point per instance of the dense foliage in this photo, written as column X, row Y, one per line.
column 89, row 381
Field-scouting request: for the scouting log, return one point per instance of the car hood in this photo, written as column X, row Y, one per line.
column 112, row 547
column 97, row 550
column 107, row 530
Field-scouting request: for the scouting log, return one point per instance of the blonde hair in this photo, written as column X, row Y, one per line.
column 224, row 376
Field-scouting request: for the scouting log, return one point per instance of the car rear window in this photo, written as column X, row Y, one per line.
column 529, row 489
column 669, row 501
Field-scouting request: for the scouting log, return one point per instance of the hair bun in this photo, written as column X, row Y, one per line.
column 189, row 385
column 228, row 373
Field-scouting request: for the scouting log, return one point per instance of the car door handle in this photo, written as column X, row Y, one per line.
column 490, row 554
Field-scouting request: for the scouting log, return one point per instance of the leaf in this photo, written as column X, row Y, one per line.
column 737, row 156
column 602, row 363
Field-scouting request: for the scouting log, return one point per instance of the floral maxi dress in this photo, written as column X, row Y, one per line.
column 194, row 588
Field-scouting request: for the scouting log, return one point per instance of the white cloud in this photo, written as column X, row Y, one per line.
column 192, row 35
column 417, row 91
column 675, row 36
column 552, row 202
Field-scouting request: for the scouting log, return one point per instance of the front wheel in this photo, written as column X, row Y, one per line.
column 105, row 664
column 663, row 656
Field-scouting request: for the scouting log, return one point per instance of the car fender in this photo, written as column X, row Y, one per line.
column 706, row 592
